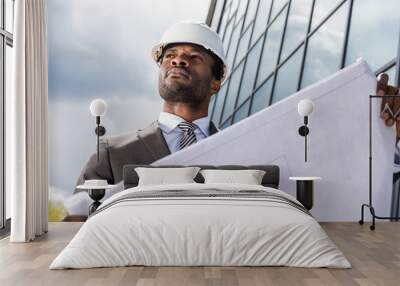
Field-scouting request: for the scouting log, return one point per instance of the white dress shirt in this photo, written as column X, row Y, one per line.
column 168, row 123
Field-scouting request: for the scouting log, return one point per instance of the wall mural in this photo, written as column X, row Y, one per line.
column 104, row 54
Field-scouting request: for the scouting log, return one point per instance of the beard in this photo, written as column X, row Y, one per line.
column 192, row 94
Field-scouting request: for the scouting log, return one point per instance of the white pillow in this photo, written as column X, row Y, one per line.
column 249, row 177
column 162, row 176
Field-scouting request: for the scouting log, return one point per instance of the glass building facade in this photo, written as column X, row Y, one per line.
column 277, row 47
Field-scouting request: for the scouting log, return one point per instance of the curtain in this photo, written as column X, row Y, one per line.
column 26, row 123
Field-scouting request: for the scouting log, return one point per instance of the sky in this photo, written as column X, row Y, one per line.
column 102, row 49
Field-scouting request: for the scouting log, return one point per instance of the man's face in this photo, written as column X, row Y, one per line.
column 186, row 75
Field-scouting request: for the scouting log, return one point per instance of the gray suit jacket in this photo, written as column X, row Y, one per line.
column 142, row 147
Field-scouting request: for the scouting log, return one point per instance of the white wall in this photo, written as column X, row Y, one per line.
column 338, row 145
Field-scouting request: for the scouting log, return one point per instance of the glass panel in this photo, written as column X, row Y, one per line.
column 211, row 105
column 9, row 15
column 296, row 27
column 262, row 19
column 227, row 35
column 271, row 48
column 243, row 46
column 233, row 45
column 226, row 124
column 276, row 7
column 383, row 28
column 234, row 5
column 217, row 14
column 224, row 21
column 229, row 10
column 242, row 112
column 261, row 97
column 288, row 77
column 241, row 9
column 392, row 75
column 250, row 72
column 232, row 93
column 251, row 12
column 325, row 48
column 219, row 102
column 321, row 10
column 8, row 79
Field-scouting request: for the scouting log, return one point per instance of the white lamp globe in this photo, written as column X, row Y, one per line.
column 98, row 107
column 305, row 107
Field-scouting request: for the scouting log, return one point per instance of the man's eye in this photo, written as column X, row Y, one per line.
column 168, row 56
column 195, row 57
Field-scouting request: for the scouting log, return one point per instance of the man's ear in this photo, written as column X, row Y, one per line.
column 215, row 86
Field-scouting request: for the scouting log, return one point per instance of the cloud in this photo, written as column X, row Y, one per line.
column 98, row 46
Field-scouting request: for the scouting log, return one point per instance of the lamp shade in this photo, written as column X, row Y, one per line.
column 305, row 107
column 98, row 107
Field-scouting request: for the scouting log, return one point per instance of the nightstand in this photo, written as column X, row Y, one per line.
column 95, row 192
column 305, row 190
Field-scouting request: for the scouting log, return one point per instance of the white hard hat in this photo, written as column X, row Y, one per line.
column 194, row 33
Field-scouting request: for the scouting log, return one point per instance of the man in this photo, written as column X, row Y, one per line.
column 192, row 68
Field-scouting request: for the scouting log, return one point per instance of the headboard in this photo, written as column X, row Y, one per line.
column 270, row 179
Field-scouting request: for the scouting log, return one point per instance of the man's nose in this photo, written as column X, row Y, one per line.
column 180, row 61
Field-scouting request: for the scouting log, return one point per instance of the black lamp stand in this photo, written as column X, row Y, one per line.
column 97, row 194
column 369, row 205
column 303, row 131
column 100, row 131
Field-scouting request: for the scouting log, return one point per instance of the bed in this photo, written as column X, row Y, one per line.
column 201, row 224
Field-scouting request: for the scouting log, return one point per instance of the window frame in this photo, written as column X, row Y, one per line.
column 6, row 40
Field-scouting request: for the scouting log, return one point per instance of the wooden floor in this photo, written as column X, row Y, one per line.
column 374, row 255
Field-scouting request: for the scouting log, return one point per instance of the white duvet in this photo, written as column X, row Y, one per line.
column 183, row 231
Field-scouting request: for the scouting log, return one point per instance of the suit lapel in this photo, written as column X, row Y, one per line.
column 154, row 141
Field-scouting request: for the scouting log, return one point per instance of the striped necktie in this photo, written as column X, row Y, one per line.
column 188, row 137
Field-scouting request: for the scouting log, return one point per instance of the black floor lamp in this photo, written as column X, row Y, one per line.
column 98, row 108
column 369, row 205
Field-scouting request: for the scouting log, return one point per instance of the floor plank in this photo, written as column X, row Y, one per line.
column 374, row 255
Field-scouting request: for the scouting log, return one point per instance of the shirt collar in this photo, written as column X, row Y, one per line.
column 169, row 122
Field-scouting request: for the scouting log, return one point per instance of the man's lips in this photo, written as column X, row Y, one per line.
column 178, row 72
